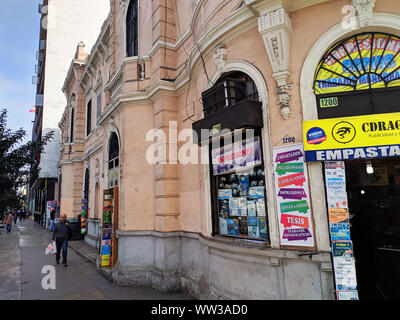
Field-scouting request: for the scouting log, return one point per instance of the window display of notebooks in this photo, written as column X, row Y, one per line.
column 223, row 208
column 233, row 207
column 253, row 227
column 262, row 223
column 233, row 227
column 242, row 206
column 243, row 230
column 251, row 208
column 223, row 226
column 261, row 207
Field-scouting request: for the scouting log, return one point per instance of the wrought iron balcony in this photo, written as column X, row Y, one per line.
column 232, row 104
column 223, row 95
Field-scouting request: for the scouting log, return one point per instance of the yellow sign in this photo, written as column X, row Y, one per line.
column 358, row 62
column 361, row 137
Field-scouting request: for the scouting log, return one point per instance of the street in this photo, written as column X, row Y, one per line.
column 22, row 258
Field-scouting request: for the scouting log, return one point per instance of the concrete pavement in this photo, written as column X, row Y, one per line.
column 22, row 257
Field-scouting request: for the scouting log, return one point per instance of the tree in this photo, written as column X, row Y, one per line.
column 18, row 164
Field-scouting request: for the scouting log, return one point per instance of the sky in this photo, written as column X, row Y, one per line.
column 19, row 41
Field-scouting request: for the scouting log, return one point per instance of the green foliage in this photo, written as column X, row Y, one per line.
column 18, row 161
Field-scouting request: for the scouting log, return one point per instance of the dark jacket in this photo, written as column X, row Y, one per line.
column 52, row 214
column 62, row 231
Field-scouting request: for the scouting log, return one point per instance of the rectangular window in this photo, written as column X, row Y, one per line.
column 89, row 118
column 71, row 138
column 98, row 105
column 238, row 189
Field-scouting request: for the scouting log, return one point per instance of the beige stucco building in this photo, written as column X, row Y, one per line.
column 153, row 67
column 62, row 25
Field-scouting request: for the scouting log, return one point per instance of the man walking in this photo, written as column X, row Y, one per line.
column 9, row 221
column 61, row 234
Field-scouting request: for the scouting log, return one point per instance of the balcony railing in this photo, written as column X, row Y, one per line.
column 224, row 95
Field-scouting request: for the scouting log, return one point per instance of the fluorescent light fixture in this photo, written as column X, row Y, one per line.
column 369, row 168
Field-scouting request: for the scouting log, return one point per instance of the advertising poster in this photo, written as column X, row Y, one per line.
column 293, row 199
column 106, row 236
column 375, row 53
column 347, row 295
column 344, row 264
column 347, row 138
column 338, row 215
column 340, row 231
column 239, row 155
column 84, row 215
column 339, row 226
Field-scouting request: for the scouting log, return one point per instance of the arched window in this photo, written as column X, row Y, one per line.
column 232, row 114
column 113, row 161
column 359, row 75
column 132, row 29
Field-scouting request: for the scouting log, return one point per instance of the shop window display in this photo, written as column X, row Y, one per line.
column 239, row 191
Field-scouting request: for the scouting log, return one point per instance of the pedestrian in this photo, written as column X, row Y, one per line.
column 61, row 234
column 9, row 221
column 52, row 217
column 15, row 217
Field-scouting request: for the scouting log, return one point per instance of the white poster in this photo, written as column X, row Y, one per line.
column 292, row 196
column 335, row 182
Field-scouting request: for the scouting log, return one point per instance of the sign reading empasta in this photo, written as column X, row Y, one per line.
column 361, row 137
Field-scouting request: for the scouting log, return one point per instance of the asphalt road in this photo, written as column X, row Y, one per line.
column 22, row 258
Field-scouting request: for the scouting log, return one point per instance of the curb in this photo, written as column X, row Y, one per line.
column 82, row 254
column 107, row 274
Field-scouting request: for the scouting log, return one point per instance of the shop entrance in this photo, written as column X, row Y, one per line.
column 373, row 189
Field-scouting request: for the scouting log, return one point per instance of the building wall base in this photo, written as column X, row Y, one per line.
column 219, row 268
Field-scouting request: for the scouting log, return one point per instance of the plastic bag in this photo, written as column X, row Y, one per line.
column 51, row 248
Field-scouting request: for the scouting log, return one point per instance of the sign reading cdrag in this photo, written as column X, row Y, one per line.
column 361, row 137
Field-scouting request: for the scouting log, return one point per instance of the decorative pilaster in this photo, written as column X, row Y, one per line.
column 275, row 28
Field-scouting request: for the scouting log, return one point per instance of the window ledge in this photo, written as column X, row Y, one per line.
column 241, row 242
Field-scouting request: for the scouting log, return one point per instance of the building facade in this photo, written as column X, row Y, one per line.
column 62, row 25
column 183, row 145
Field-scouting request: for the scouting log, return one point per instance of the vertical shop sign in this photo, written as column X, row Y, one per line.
column 293, row 201
column 106, row 234
column 339, row 227
column 84, row 215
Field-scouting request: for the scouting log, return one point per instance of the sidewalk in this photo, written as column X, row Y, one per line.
column 22, row 261
column 85, row 250
column 91, row 255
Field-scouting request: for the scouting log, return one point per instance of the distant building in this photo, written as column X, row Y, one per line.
column 63, row 25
